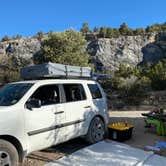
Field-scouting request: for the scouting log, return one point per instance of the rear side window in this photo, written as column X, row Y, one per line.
column 74, row 92
column 95, row 91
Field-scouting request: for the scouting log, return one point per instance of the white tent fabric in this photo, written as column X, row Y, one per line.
column 53, row 70
column 110, row 154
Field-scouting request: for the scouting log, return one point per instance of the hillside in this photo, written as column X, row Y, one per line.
column 128, row 50
column 106, row 53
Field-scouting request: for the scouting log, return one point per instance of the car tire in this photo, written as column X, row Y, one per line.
column 96, row 131
column 8, row 154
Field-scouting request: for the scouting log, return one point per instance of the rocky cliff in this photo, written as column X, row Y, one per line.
column 22, row 50
column 106, row 54
column 129, row 50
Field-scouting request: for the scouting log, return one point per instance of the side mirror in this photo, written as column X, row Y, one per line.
column 33, row 103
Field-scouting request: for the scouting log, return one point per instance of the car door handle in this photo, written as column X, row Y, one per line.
column 60, row 112
column 88, row 106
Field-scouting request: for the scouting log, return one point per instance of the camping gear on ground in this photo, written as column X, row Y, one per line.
column 54, row 70
column 160, row 126
column 120, row 131
column 161, row 144
column 157, row 149
column 158, row 120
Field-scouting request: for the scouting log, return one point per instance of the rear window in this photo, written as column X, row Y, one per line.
column 74, row 92
column 95, row 91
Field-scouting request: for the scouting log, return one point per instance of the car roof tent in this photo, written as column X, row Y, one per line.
column 54, row 70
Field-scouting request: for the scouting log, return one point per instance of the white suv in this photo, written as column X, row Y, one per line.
column 37, row 114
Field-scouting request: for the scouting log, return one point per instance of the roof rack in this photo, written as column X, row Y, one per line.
column 54, row 70
column 97, row 76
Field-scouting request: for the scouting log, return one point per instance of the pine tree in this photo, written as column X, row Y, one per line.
column 85, row 28
column 96, row 30
column 103, row 32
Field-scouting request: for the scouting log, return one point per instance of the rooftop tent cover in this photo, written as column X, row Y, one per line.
column 51, row 70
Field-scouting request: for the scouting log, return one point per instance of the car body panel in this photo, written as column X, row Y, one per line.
column 50, row 125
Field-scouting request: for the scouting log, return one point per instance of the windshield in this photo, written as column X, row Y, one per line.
column 12, row 93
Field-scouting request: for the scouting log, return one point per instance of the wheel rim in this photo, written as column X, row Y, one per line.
column 4, row 159
column 98, row 130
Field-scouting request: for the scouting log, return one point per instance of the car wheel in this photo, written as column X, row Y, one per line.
column 8, row 154
column 96, row 130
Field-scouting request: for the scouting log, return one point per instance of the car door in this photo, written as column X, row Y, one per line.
column 43, row 123
column 76, row 110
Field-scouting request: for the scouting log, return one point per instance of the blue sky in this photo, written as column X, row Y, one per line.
column 27, row 17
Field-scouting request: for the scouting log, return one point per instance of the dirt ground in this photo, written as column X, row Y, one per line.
column 141, row 137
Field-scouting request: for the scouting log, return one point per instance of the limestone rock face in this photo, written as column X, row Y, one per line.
column 22, row 50
column 129, row 50
column 107, row 54
column 152, row 53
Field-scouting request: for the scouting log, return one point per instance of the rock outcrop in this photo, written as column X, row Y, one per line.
column 107, row 54
column 22, row 50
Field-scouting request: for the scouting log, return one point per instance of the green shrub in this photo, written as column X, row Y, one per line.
column 129, row 84
column 157, row 74
column 96, row 29
column 103, row 32
column 125, row 30
column 8, row 72
column 5, row 38
column 133, row 90
column 66, row 47
column 40, row 35
column 17, row 37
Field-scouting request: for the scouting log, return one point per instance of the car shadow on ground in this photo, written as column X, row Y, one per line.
column 68, row 147
column 56, row 152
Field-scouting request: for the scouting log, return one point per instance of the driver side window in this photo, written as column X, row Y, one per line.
column 48, row 94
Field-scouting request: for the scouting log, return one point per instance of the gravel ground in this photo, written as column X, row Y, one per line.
column 141, row 138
